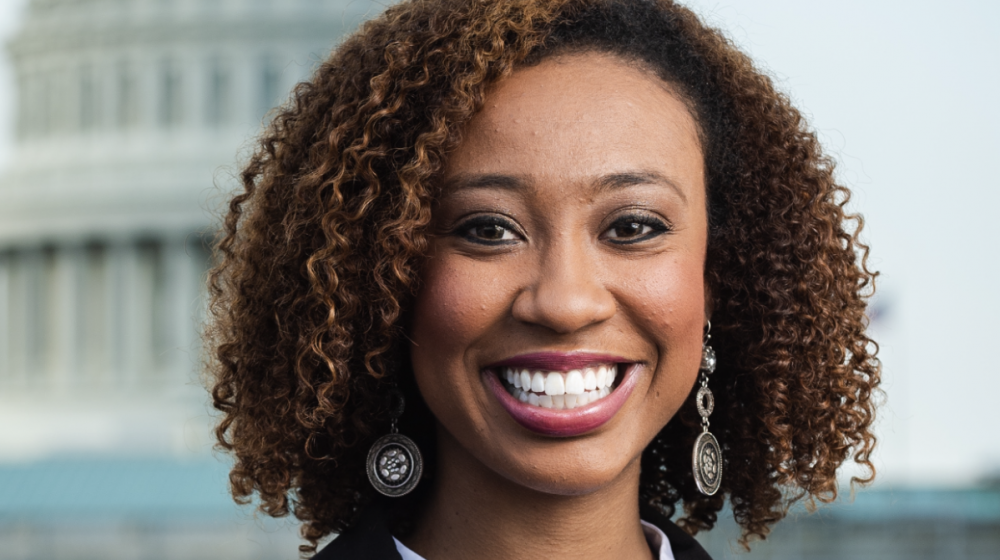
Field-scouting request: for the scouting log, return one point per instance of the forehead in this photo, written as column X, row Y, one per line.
column 573, row 116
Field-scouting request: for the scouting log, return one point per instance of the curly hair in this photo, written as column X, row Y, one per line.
column 319, row 256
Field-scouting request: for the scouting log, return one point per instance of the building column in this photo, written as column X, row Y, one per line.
column 17, row 313
column 95, row 362
column 112, row 275
column 131, row 323
column 180, row 302
column 64, row 317
column 28, row 342
column 6, row 372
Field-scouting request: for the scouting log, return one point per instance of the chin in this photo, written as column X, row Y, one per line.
column 567, row 473
column 558, row 466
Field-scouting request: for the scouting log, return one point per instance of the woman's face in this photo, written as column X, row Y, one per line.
column 559, row 323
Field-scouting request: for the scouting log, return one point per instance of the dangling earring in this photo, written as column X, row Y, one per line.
column 394, row 461
column 706, row 461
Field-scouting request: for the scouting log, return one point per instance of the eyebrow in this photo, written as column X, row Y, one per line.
column 622, row 180
column 487, row 181
column 610, row 182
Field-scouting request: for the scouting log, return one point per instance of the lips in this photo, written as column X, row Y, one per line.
column 558, row 361
column 562, row 394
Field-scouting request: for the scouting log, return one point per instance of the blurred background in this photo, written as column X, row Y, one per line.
column 121, row 126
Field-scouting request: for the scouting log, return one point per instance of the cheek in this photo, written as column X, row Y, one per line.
column 441, row 308
column 450, row 303
column 458, row 301
column 670, row 299
column 669, row 306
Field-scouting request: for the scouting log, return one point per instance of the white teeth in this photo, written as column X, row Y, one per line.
column 574, row 382
column 558, row 401
column 512, row 378
column 538, row 382
column 558, row 390
column 554, row 384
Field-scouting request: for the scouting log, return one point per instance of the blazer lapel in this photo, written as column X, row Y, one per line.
column 683, row 545
column 367, row 539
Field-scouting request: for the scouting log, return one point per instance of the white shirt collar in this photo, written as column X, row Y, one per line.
column 654, row 536
column 657, row 540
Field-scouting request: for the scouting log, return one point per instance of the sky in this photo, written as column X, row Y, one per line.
column 903, row 96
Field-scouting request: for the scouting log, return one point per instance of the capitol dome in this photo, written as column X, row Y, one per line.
column 130, row 118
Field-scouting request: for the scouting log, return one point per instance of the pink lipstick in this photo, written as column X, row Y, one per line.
column 558, row 361
column 560, row 404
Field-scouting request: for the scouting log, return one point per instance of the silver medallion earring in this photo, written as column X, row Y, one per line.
column 706, row 461
column 394, row 461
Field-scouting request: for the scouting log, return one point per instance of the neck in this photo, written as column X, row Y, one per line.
column 474, row 512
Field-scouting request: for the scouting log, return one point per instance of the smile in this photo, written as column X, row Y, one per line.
column 562, row 394
column 560, row 390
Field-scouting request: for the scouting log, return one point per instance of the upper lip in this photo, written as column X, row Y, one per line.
column 558, row 361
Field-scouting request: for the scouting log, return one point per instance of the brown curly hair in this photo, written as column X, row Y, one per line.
column 319, row 254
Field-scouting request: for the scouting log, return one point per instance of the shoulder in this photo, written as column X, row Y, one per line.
column 683, row 545
column 368, row 538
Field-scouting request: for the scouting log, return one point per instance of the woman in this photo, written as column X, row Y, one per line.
column 485, row 263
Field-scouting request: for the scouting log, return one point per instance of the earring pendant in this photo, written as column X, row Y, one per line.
column 394, row 465
column 394, row 462
column 706, row 458
column 707, row 464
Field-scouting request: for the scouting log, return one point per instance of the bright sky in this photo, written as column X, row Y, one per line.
column 903, row 94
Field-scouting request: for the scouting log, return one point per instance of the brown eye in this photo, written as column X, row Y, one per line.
column 488, row 230
column 631, row 229
column 491, row 232
column 635, row 229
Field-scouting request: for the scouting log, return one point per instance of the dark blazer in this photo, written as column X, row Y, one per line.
column 369, row 539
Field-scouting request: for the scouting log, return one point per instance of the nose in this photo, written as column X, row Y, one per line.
column 566, row 294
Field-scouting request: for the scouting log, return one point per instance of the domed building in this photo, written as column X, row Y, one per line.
column 130, row 118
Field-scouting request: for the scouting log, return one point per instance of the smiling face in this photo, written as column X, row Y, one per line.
column 560, row 319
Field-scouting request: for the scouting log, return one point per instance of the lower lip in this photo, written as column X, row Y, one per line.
column 564, row 423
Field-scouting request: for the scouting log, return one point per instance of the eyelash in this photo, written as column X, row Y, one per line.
column 657, row 226
column 464, row 229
